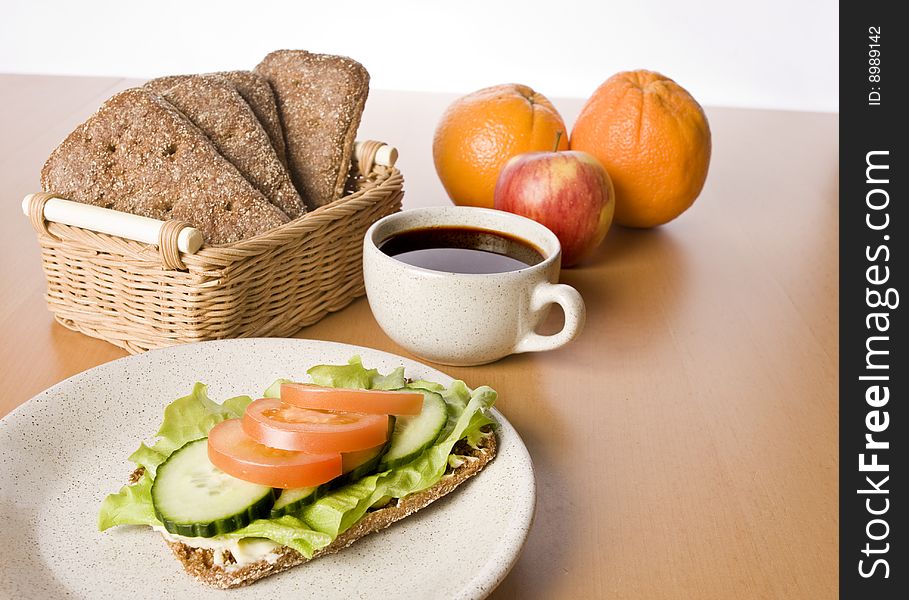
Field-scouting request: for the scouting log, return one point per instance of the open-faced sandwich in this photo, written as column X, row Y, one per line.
column 245, row 489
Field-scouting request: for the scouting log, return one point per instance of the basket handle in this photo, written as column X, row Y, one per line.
column 370, row 153
column 171, row 237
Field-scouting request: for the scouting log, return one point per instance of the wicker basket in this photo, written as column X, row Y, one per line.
column 141, row 296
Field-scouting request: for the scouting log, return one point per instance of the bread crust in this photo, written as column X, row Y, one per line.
column 320, row 101
column 199, row 562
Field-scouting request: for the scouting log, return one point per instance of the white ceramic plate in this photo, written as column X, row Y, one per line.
column 65, row 449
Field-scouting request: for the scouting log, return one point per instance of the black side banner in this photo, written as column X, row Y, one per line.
column 874, row 370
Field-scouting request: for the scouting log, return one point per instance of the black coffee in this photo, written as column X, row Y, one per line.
column 462, row 250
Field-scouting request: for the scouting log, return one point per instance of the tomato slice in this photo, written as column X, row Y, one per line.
column 372, row 402
column 279, row 425
column 235, row 453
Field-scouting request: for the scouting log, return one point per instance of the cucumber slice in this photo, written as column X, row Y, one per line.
column 414, row 434
column 292, row 501
column 194, row 498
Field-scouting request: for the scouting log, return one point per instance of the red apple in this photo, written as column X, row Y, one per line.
column 569, row 192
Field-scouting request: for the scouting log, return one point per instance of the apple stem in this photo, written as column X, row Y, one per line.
column 558, row 139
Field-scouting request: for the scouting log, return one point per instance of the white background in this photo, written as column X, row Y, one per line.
column 766, row 54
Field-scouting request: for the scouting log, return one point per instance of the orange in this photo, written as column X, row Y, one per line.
column 479, row 132
column 654, row 140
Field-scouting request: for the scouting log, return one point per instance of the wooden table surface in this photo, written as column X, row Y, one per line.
column 685, row 445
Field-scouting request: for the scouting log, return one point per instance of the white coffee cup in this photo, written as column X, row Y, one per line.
column 468, row 318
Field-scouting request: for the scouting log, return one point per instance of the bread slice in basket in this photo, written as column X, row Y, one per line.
column 261, row 99
column 320, row 100
column 139, row 154
column 214, row 106
column 223, row 571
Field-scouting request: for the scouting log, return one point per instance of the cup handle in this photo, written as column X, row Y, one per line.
column 575, row 314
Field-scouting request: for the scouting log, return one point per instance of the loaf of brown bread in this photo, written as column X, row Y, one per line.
column 320, row 100
column 139, row 154
column 214, row 106
column 201, row 563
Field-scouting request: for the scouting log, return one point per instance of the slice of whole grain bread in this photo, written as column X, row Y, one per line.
column 214, row 106
column 201, row 564
column 320, row 100
column 257, row 92
column 139, row 154
column 261, row 99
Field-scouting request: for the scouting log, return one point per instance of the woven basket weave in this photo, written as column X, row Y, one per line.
column 140, row 296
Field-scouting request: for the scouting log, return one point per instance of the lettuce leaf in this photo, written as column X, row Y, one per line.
column 274, row 390
column 186, row 419
column 287, row 531
column 355, row 376
column 191, row 417
column 148, row 457
column 132, row 505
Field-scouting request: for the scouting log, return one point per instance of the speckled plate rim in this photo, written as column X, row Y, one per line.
column 499, row 560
